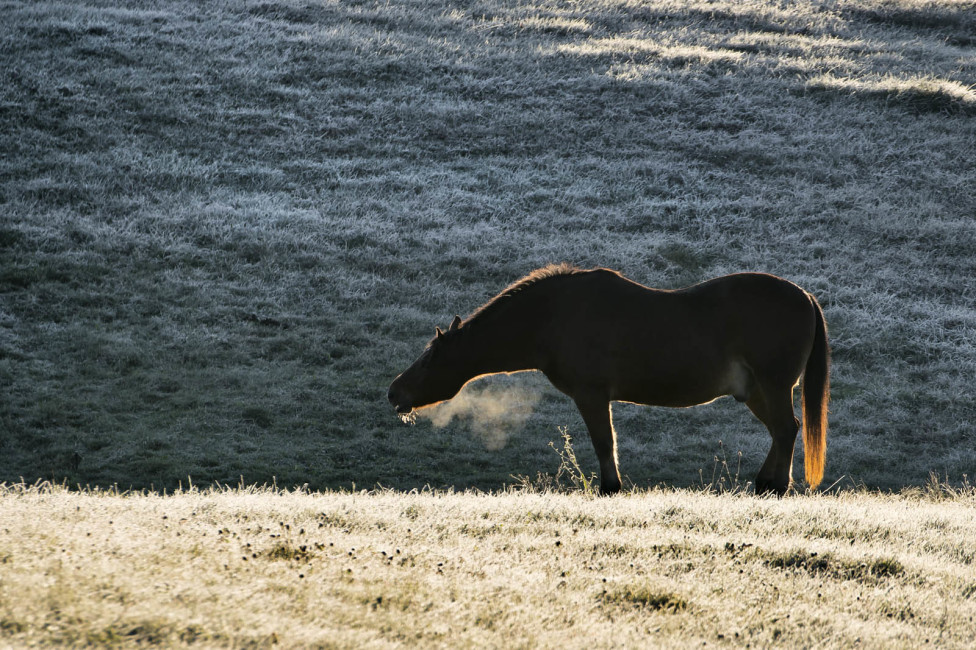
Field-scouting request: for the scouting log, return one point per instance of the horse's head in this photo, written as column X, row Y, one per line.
column 437, row 375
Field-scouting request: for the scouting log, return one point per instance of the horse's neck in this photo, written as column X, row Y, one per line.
column 503, row 346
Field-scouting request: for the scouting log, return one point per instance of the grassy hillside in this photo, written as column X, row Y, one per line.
column 259, row 569
column 226, row 226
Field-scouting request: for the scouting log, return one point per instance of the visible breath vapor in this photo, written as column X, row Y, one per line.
column 493, row 412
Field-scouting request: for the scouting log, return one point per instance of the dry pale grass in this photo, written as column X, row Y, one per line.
column 256, row 568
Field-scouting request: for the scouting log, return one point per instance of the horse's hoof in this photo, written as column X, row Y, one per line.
column 764, row 487
column 609, row 490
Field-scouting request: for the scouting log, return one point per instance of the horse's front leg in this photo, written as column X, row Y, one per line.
column 599, row 422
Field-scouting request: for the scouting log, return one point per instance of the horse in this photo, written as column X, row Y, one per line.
column 600, row 337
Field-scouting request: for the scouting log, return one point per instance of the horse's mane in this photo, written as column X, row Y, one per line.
column 532, row 279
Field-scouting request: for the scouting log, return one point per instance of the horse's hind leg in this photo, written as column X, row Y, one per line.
column 775, row 410
column 598, row 418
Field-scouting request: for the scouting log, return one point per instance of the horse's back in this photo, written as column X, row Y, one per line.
column 677, row 347
column 737, row 300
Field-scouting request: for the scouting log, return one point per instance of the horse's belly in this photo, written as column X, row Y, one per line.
column 684, row 387
column 666, row 396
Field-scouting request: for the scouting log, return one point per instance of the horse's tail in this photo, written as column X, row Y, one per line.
column 815, row 396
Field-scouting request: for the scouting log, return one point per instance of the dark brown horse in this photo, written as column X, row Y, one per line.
column 600, row 337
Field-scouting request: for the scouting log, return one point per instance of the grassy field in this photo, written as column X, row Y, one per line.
column 226, row 226
column 260, row 568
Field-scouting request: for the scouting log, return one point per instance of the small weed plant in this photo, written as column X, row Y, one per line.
column 569, row 477
column 723, row 478
column 569, row 466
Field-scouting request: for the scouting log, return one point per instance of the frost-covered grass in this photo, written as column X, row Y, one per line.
column 660, row 568
column 226, row 226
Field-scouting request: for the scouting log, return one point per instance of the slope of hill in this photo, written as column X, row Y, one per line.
column 225, row 227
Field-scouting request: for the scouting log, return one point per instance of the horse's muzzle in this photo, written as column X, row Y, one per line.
column 398, row 402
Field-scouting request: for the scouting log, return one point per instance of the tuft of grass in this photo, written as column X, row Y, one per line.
column 953, row 22
column 257, row 415
column 11, row 627
column 939, row 488
column 286, row 551
column 828, row 565
column 152, row 633
column 918, row 95
column 644, row 598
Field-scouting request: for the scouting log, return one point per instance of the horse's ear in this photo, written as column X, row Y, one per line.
column 456, row 323
column 438, row 332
